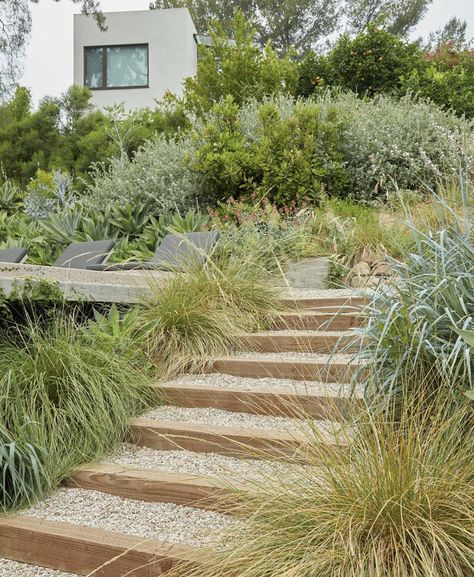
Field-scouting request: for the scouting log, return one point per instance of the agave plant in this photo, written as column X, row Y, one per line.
column 62, row 228
column 120, row 331
column 10, row 197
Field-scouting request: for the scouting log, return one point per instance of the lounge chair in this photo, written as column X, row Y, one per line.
column 79, row 255
column 174, row 253
column 13, row 255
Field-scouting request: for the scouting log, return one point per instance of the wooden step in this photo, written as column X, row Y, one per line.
column 326, row 304
column 82, row 550
column 281, row 402
column 150, row 485
column 312, row 320
column 296, row 368
column 238, row 442
column 312, row 342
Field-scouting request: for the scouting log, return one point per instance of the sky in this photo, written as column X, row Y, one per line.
column 48, row 65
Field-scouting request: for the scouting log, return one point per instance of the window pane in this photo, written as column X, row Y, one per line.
column 94, row 58
column 127, row 66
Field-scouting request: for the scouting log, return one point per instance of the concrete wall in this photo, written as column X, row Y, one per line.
column 172, row 51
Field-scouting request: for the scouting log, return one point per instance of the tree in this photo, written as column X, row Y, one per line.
column 299, row 23
column 453, row 32
column 241, row 70
column 396, row 16
column 15, row 29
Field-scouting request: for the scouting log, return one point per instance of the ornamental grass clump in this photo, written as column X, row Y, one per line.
column 200, row 314
column 64, row 396
column 398, row 501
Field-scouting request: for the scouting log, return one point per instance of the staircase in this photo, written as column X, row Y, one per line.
column 153, row 503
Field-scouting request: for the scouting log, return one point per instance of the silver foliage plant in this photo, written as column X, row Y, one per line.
column 42, row 202
column 157, row 174
column 413, row 325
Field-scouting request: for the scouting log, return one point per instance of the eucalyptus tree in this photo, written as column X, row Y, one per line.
column 15, row 30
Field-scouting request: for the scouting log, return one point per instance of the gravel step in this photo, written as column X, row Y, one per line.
column 223, row 380
column 159, row 521
column 207, row 416
column 209, row 466
column 14, row 569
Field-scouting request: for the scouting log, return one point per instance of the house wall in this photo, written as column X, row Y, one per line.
column 172, row 51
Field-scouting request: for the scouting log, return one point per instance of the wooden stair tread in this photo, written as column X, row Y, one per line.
column 151, row 485
column 82, row 550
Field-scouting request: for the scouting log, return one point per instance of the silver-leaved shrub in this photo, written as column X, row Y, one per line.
column 156, row 174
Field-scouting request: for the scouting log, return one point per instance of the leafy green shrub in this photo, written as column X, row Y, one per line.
column 260, row 149
column 23, row 477
column 447, row 78
column 392, row 497
column 62, row 392
column 412, row 325
column 157, row 174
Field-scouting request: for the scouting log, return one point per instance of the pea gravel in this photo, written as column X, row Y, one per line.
column 268, row 384
column 230, row 419
column 13, row 569
column 205, row 465
column 162, row 521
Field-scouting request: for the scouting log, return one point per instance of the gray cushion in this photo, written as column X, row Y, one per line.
column 175, row 252
column 179, row 250
column 13, row 255
column 81, row 254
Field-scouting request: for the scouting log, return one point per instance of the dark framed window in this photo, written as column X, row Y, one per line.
column 111, row 67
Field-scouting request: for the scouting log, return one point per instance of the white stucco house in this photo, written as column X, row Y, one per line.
column 140, row 56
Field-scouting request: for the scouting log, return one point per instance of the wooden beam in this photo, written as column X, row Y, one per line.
column 329, row 304
column 83, row 550
column 298, row 369
column 151, row 485
column 312, row 320
column 281, row 341
column 236, row 442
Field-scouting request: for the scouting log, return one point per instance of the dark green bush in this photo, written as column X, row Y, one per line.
column 373, row 62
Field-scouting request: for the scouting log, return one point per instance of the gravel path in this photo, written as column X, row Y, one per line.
column 161, row 521
column 206, row 465
column 13, row 569
column 230, row 419
column 268, row 384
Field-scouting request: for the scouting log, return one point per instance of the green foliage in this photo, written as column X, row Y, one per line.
column 23, row 477
column 446, row 77
column 156, row 175
column 412, row 326
column 10, row 198
column 396, row 16
column 261, row 150
column 241, row 70
column 67, row 134
column 118, row 331
column 61, row 393
column 293, row 24
column 372, row 62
